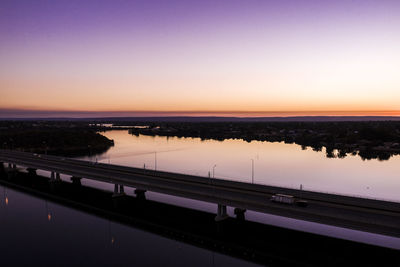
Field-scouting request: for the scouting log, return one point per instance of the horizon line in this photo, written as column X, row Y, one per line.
column 48, row 113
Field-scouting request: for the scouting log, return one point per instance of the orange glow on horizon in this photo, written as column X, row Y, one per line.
column 199, row 113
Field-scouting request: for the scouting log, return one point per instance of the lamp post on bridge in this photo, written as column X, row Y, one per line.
column 252, row 171
column 213, row 172
column 155, row 160
column 90, row 153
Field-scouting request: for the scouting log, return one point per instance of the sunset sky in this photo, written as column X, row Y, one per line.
column 201, row 57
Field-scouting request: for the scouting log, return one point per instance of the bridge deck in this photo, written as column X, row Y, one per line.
column 356, row 213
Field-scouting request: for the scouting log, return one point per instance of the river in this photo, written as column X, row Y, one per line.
column 54, row 230
column 279, row 164
column 37, row 232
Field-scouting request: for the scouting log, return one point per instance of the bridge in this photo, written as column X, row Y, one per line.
column 374, row 216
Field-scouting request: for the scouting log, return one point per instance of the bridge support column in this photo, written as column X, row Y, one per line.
column 118, row 191
column 14, row 166
column 76, row 180
column 52, row 177
column 239, row 213
column 140, row 193
column 9, row 165
column 31, row 171
column 115, row 189
column 221, row 213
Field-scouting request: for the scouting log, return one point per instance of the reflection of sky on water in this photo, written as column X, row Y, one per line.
column 275, row 164
column 279, row 164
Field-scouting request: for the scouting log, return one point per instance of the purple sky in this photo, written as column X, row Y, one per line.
column 230, row 55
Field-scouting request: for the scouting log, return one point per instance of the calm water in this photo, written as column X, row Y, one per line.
column 278, row 164
column 35, row 232
column 274, row 164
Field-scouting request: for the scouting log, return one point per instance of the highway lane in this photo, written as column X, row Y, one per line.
column 345, row 200
column 214, row 182
column 172, row 176
column 235, row 194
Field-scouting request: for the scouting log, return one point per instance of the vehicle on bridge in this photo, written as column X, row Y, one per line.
column 281, row 198
column 288, row 199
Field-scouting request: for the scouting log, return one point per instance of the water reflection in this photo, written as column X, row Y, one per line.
column 112, row 238
column 5, row 196
column 48, row 211
column 278, row 164
column 267, row 219
column 369, row 140
column 29, row 240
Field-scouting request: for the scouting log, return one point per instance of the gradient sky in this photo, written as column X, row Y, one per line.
column 208, row 56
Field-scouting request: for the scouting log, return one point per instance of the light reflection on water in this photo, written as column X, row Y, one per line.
column 278, row 164
column 36, row 232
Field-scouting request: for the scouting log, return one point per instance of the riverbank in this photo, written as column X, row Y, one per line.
column 369, row 140
column 55, row 138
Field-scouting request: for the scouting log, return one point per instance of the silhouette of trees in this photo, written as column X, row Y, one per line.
column 370, row 140
column 58, row 138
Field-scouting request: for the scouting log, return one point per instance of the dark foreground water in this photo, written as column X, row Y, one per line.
column 36, row 232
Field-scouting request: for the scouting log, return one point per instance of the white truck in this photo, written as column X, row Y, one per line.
column 281, row 198
column 288, row 199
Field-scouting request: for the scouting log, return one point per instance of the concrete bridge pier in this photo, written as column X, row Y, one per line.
column 118, row 198
column 239, row 213
column 8, row 171
column 140, row 193
column 14, row 166
column 76, row 180
column 52, row 177
column 221, row 213
column 118, row 191
column 32, row 171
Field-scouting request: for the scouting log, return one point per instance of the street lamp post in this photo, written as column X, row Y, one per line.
column 252, row 171
column 215, row 165
column 155, row 160
column 90, row 153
